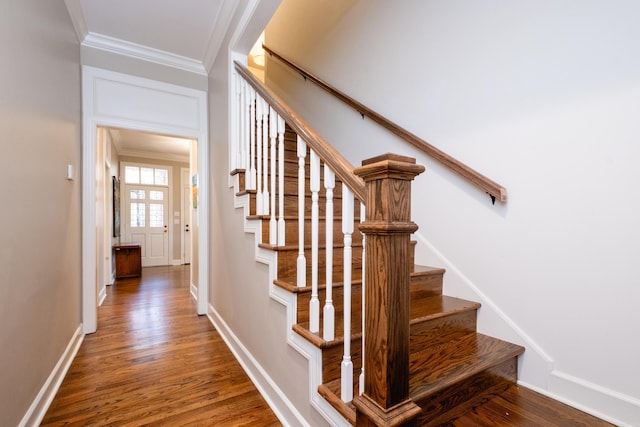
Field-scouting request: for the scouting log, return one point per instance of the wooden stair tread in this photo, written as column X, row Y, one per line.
column 430, row 308
column 283, row 248
column 424, row 269
column 439, row 366
column 321, row 218
column 316, row 338
column 292, row 287
column 436, row 307
column 331, row 392
column 519, row 406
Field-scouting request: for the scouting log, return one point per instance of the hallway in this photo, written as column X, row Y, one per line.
column 153, row 361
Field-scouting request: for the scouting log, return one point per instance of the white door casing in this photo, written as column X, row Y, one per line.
column 186, row 216
column 115, row 99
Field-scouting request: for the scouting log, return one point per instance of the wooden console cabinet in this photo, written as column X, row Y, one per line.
column 128, row 260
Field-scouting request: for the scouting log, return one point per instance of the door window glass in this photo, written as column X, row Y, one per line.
column 156, row 215
column 146, row 175
column 156, row 195
column 137, row 194
column 137, row 215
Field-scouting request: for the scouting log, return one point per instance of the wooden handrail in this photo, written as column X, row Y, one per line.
column 327, row 153
column 495, row 190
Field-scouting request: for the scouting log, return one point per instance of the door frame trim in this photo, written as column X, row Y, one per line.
column 109, row 99
column 182, row 213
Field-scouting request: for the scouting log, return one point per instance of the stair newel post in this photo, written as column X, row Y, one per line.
column 258, row 187
column 302, row 261
column 328, row 316
column 362, row 287
column 265, row 154
column 314, row 304
column 273, row 133
column 346, row 368
column 388, row 228
column 252, row 138
column 281, row 222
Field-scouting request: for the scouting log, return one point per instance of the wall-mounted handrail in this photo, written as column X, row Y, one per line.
column 495, row 190
column 329, row 155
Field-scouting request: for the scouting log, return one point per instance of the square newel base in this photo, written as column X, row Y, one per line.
column 369, row 413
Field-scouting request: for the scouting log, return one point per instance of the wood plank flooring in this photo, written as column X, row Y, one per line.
column 153, row 361
column 522, row 407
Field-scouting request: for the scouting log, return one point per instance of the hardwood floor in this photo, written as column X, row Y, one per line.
column 153, row 361
column 521, row 407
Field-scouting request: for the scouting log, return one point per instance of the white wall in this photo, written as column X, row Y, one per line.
column 540, row 96
column 40, row 288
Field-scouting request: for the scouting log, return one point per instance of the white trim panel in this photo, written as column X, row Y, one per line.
column 152, row 105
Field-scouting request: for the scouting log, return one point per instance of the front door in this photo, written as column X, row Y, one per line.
column 147, row 215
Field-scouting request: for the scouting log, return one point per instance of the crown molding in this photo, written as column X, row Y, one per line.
column 134, row 50
column 223, row 20
column 74, row 7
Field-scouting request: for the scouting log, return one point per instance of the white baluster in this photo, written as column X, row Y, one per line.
column 265, row 154
column 247, row 135
column 235, row 152
column 302, row 261
column 364, row 259
column 252, row 139
column 328, row 316
column 281, row 222
column 273, row 133
column 346, row 389
column 314, row 304
column 259, row 105
column 243, row 130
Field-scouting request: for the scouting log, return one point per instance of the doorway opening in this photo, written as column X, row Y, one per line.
column 146, row 198
column 129, row 103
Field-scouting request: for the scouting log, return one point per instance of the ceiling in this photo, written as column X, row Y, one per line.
column 183, row 34
column 178, row 27
column 148, row 145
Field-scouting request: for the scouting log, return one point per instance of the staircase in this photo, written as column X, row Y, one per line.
column 425, row 363
column 452, row 367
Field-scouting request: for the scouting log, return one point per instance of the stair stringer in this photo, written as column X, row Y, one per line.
column 314, row 357
column 289, row 301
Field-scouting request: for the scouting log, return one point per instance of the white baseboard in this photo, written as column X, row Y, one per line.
column 102, row 295
column 591, row 398
column 176, row 262
column 276, row 399
column 38, row 408
column 610, row 405
column 193, row 290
